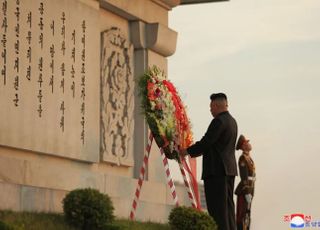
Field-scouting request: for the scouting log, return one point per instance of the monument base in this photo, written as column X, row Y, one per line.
column 38, row 183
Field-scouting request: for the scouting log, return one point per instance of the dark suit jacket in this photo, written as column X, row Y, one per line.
column 218, row 147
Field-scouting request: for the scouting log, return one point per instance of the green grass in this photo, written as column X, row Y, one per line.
column 48, row 221
column 137, row 225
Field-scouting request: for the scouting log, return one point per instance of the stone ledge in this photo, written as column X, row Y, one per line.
column 27, row 198
column 145, row 211
column 57, row 174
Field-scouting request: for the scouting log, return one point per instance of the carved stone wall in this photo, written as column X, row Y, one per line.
column 117, row 98
column 49, row 77
column 67, row 73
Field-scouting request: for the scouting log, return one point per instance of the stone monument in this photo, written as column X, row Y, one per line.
column 70, row 113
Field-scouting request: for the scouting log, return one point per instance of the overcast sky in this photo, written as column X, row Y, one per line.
column 265, row 55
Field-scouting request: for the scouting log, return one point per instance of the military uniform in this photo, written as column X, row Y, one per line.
column 246, row 186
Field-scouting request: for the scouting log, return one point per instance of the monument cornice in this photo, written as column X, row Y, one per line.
column 144, row 10
column 167, row 4
column 184, row 2
column 154, row 36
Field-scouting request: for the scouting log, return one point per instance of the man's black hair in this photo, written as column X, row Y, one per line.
column 216, row 96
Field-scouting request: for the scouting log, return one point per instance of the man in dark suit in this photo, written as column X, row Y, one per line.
column 219, row 163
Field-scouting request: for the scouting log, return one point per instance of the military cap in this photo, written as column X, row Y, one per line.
column 241, row 140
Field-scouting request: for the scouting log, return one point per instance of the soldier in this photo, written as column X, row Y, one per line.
column 245, row 189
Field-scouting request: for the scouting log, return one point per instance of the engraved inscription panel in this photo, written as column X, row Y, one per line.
column 49, row 77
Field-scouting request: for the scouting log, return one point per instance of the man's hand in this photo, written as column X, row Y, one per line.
column 183, row 152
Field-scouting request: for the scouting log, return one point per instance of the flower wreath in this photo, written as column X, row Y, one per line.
column 165, row 113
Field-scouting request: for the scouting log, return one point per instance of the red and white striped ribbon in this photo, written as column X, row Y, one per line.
column 186, row 183
column 141, row 177
column 169, row 178
column 193, row 181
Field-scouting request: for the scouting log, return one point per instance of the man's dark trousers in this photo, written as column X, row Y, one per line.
column 219, row 198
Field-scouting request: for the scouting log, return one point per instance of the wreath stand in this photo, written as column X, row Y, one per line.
column 183, row 164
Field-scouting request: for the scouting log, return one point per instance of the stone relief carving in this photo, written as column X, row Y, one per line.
column 117, row 98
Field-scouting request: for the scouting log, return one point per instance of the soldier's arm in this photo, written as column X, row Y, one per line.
column 244, row 173
column 243, row 168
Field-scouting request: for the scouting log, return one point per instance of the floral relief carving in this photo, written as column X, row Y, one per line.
column 117, row 98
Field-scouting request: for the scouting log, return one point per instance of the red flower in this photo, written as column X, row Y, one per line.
column 157, row 92
column 158, row 106
column 150, row 87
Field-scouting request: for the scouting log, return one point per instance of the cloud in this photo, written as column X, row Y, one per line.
column 220, row 29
